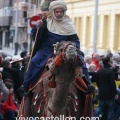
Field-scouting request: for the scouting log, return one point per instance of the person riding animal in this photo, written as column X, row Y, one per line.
column 57, row 27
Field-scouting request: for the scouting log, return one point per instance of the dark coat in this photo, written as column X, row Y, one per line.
column 4, row 90
column 15, row 75
column 105, row 79
column 43, row 50
column 42, row 34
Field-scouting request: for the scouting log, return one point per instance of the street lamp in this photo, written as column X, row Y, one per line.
column 95, row 26
column 16, row 23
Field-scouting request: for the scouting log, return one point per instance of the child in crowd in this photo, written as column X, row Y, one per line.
column 92, row 68
column 9, row 109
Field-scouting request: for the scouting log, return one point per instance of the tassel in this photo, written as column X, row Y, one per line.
column 82, row 82
column 52, row 83
column 58, row 61
column 79, row 82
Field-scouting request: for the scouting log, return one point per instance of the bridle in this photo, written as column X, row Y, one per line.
column 63, row 57
column 64, row 49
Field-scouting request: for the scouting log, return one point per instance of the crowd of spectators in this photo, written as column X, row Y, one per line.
column 104, row 72
column 12, row 72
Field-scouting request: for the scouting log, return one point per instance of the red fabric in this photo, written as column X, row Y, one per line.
column 88, row 107
column 79, row 82
column 96, row 63
column 8, row 104
column 0, row 59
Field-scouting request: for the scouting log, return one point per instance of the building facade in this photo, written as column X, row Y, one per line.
column 5, row 22
column 108, row 33
column 14, row 17
column 13, row 26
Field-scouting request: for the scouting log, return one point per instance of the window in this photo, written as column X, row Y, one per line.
column 8, row 11
column 88, row 31
column 106, row 24
column 117, row 32
column 78, row 26
column 24, row 14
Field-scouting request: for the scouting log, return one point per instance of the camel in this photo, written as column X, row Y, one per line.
column 59, row 92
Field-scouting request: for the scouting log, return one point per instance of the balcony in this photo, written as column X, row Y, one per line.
column 5, row 21
column 1, row 21
column 5, row 3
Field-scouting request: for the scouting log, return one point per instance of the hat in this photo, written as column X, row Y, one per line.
column 116, row 55
column 9, row 58
column 8, row 85
column 16, row 58
column 57, row 4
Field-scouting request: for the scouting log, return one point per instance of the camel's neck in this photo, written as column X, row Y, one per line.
column 64, row 80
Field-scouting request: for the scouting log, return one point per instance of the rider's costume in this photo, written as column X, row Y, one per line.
column 52, row 30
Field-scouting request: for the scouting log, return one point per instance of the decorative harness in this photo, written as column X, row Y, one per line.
column 79, row 82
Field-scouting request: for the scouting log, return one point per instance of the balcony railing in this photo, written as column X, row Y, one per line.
column 6, row 21
column 5, row 3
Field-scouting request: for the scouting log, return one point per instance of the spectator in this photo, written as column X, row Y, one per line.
column 116, row 65
column 23, row 54
column 16, row 62
column 12, row 75
column 109, row 54
column 88, row 60
column 105, row 79
column 17, row 46
column 8, row 107
column 3, row 94
column 116, row 58
column 3, row 90
column 25, row 46
column 6, row 71
column 25, row 57
column 92, row 68
column 96, row 60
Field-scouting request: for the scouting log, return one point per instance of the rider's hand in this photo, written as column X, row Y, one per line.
column 39, row 23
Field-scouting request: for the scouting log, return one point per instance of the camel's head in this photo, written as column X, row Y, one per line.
column 68, row 50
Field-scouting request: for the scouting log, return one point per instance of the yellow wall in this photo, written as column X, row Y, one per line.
column 108, row 36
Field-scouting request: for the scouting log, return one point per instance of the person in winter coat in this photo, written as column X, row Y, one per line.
column 105, row 79
column 8, row 107
column 3, row 94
